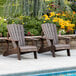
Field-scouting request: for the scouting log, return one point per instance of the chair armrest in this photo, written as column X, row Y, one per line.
column 11, row 40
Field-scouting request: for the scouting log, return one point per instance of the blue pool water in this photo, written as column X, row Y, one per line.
column 65, row 73
column 54, row 72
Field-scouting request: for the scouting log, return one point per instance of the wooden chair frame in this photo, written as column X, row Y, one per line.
column 17, row 50
column 52, row 47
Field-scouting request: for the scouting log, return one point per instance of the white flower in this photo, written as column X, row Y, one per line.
column 5, row 19
column 0, row 18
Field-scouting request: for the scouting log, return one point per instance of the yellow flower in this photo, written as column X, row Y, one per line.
column 13, row 22
column 62, row 27
column 23, row 23
column 21, row 17
column 45, row 16
column 52, row 14
column 66, row 24
column 73, row 12
column 68, row 21
column 69, row 28
column 48, row 18
column 55, row 20
column 44, row 21
column 47, row 0
column 49, row 8
column 58, row 14
column 61, row 21
column 63, row 14
column 72, row 25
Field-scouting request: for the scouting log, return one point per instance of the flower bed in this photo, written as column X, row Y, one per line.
column 65, row 22
column 63, row 14
column 58, row 12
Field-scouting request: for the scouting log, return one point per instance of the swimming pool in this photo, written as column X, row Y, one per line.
column 55, row 72
column 65, row 73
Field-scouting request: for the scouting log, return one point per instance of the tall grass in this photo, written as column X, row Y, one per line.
column 1, row 7
column 24, row 7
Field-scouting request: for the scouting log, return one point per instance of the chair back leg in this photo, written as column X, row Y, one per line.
column 18, row 54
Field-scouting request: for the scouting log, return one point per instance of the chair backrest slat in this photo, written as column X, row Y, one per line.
column 50, row 31
column 55, row 32
column 16, row 32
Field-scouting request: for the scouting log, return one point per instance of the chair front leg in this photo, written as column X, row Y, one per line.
column 52, row 48
column 18, row 53
column 68, row 52
column 53, row 51
column 35, row 54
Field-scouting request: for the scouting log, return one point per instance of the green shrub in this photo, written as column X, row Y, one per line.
column 3, row 26
column 73, row 6
column 14, row 21
column 31, row 24
column 2, row 2
column 32, row 32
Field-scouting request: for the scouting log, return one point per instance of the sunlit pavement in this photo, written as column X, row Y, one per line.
column 11, row 64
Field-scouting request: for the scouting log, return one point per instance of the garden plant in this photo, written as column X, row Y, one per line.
column 36, row 12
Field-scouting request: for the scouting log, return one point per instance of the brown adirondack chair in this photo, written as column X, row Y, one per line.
column 16, row 33
column 50, row 34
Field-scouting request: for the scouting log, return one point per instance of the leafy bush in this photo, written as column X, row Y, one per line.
column 14, row 21
column 31, row 24
column 73, row 6
column 2, row 2
column 57, row 6
column 32, row 32
column 3, row 26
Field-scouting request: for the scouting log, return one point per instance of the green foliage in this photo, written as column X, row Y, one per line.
column 29, row 12
column 16, row 8
column 3, row 26
column 1, row 7
column 74, row 19
column 2, row 2
column 33, row 32
column 14, row 21
column 73, row 6
column 31, row 24
column 57, row 6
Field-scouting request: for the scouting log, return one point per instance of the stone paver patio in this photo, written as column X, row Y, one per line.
column 11, row 64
